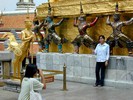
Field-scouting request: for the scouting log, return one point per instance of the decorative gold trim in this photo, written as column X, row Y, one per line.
column 69, row 8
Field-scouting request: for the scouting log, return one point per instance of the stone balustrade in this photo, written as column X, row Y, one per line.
column 81, row 68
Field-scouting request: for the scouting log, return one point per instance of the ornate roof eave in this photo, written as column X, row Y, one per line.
column 96, row 7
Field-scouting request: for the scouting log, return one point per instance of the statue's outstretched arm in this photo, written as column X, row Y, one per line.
column 108, row 21
column 128, row 22
column 75, row 22
column 44, row 23
column 41, row 25
column 94, row 22
column 60, row 22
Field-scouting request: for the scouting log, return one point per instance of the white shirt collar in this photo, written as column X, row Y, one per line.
column 102, row 44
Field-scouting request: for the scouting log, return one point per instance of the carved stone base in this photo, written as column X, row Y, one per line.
column 81, row 68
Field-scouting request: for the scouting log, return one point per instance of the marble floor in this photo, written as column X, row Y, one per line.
column 76, row 91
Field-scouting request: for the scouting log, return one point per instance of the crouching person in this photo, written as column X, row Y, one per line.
column 30, row 83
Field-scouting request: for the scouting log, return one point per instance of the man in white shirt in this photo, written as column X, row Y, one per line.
column 102, row 53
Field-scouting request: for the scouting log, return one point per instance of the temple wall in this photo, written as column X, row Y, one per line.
column 81, row 68
column 70, row 9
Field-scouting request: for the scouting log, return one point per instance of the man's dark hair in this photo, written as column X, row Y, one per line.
column 102, row 36
column 31, row 70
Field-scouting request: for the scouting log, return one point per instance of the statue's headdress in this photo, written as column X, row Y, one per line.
column 28, row 16
column 49, row 16
column 35, row 20
column 35, row 16
column 49, row 9
column 81, row 11
column 117, row 14
column 117, row 8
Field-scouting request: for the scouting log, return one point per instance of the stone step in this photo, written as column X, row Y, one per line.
column 12, row 85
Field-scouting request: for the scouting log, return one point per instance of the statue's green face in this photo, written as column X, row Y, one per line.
column 116, row 17
column 82, row 18
column 49, row 19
